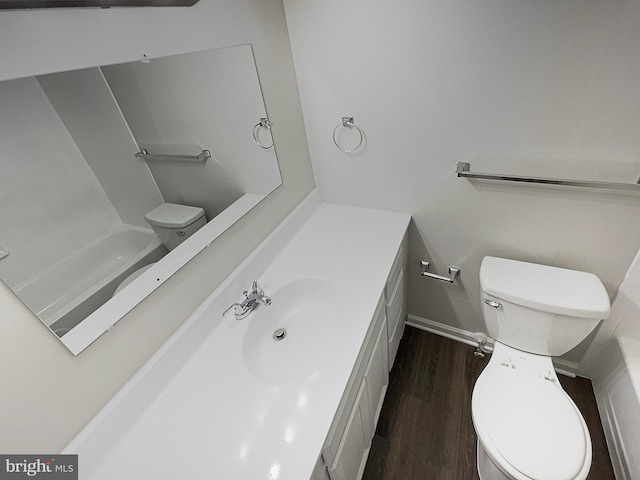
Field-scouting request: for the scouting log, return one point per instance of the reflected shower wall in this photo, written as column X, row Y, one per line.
column 51, row 203
column 85, row 105
column 72, row 203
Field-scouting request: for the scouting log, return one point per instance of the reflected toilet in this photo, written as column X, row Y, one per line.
column 173, row 224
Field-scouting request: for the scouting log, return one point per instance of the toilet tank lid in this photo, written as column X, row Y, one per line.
column 543, row 287
column 173, row 215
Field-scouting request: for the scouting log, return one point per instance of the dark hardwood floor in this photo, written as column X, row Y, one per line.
column 425, row 429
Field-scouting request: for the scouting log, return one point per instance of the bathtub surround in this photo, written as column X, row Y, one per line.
column 613, row 361
column 60, row 196
column 47, row 394
column 617, row 387
column 104, row 139
column 41, row 164
column 76, row 285
column 624, row 320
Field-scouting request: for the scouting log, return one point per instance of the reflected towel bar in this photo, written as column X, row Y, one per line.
column 462, row 169
column 202, row 157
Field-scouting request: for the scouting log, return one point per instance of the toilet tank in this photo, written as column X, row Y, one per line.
column 174, row 223
column 538, row 308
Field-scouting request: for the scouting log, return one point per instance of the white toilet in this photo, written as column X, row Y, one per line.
column 173, row 224
column 528, row 427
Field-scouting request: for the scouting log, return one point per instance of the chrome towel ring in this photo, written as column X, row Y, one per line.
column 347, row 122
column 263, row 123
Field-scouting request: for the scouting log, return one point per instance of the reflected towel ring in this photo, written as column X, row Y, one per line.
column 263, row 123
column 347, row 122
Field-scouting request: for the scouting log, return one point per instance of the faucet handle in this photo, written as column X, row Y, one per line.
column 254, row 285
column 235, row 306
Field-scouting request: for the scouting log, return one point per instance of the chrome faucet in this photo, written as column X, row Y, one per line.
column 252, row 299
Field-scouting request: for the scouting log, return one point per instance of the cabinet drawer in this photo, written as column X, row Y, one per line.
column 395, row 271
column 394, row 303
column 377, row 379
column 395, row 337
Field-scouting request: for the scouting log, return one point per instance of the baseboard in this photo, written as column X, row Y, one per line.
column 561, row 366
column 565, row 367
column 447, row 331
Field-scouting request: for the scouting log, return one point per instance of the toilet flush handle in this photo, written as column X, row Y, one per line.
column 492, row 303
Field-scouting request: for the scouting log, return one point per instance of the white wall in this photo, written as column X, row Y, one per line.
column 50, row 201
column 544, row 88
column 48, row 395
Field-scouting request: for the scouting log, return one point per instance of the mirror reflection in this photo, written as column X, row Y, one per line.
column 82, row 217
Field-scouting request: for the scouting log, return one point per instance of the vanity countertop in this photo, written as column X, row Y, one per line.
column 207, row 405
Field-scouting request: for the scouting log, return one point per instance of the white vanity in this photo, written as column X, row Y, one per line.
column 227, row 398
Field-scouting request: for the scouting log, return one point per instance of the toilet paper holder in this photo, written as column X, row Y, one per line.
column 453, row 273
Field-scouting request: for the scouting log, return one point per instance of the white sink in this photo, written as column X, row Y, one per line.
column 289, row 339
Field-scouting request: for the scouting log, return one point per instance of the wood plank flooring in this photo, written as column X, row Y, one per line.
column 425, row 429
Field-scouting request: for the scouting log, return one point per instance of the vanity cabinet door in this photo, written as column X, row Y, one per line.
column 350, row 398
column 354, row 446
column 377, row 379
column 353, row 451
column 320, row 471
column 395, row 316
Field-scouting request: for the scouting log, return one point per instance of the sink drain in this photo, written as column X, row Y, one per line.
column 279, row 334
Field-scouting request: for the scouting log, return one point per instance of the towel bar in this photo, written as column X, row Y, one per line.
column 463, row 170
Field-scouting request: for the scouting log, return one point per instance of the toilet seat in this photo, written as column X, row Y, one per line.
column 528, row 425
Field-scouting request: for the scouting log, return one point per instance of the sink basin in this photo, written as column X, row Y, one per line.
column 290, row 338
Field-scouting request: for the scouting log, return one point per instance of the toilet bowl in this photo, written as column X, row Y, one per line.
column 173, row 224
column 528, row 427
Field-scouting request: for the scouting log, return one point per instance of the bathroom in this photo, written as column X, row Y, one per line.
column 535, row 88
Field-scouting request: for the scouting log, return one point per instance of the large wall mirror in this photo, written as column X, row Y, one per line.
column 113, row 178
